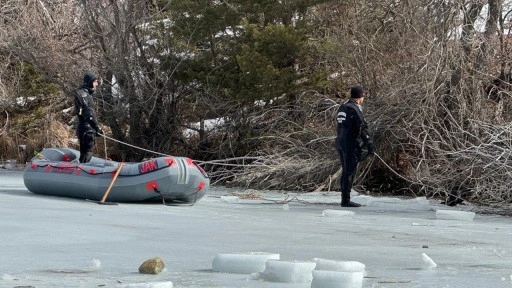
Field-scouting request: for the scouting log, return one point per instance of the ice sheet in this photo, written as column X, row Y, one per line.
column 51, row 242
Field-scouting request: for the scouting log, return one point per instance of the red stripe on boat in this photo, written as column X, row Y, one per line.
column 151, row 185
column 34, row 166
column 170, row 161
column 92, row 171
column 191, row 162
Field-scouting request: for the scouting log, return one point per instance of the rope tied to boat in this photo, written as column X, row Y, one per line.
column 136, row 147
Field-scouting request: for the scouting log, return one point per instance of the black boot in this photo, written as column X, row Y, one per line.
column 345, row 202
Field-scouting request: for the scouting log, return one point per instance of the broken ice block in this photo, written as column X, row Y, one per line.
column 242, row 263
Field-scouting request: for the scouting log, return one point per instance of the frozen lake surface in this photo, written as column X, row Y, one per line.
column 61, row 242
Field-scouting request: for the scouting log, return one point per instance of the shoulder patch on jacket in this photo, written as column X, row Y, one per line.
column 82, row 93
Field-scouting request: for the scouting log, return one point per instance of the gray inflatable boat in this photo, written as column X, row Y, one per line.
column 56, row 172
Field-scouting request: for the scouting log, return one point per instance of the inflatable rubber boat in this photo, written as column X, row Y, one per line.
column 56, row 172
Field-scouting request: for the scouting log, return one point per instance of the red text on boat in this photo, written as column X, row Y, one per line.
column 148, row 166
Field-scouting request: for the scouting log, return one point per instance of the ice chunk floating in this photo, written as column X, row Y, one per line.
column 242, row 263
column 346, row 266
column 427, row 261
column 287, row 271
column 455, row 215
column 331, row 273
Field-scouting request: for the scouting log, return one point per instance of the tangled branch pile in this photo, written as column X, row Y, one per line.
column 441, row 118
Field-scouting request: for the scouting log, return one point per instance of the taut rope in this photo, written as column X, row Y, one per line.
column 133, row 146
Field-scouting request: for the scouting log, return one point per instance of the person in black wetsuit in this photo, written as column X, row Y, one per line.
column 88, row 127
column 352, row 136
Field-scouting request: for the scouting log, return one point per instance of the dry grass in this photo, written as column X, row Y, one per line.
column 246, row 195
column 55, row 134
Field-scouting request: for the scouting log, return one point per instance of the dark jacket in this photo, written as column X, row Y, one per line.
column 352, row 129
column 85, row 109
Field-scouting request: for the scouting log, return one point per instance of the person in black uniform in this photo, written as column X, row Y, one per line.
column 85, row 109
column 352, row 136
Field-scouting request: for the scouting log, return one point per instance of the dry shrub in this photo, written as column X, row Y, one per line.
column 56, row 135
column 294, row 154
column 38, row 135
column 7, row 147
column 278, row 172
